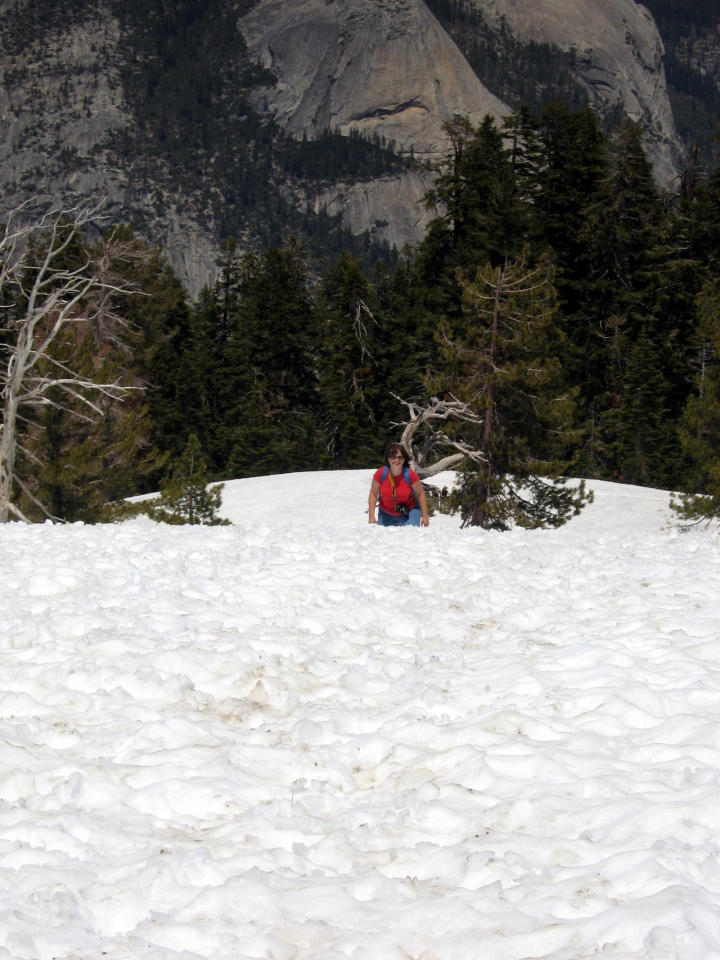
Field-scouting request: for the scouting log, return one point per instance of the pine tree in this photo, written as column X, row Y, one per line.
column 79, row 453
column 186, row 497
column 81, row 462
column 405, row 343
column 349, row 337
column 505, row 365
column 528, row 157
column 705, row 214
column 638, row 435
column 274, row 420
column 482, row 216
column 169, row 356
column 255, row 334
column 573, row 167
column 621, row 236
column 220, row 358
column 700, row 424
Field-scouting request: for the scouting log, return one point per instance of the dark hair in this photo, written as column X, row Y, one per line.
column 397, row 448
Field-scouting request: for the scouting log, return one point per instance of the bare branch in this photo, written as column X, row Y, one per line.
column 54, row 296
column 447, row 463
column 425, row 418
column 360, row 328
column 31, row 496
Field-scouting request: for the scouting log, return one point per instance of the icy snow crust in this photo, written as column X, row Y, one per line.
column 305, row 737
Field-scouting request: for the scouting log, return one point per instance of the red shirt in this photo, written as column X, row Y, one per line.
column 403, row 492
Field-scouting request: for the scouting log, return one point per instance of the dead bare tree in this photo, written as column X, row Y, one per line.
column 40, row 297
column 360, row 328
column 423, row 422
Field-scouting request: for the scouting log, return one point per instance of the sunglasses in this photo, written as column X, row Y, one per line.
column 396, row 456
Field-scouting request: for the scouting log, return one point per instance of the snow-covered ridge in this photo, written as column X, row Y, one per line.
column 304, row 737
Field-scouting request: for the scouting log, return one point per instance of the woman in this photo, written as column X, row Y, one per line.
column 402, row 498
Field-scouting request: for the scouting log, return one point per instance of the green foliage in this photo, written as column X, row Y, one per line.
column 186, row 498
column 700, row 424
column 77, row 463
column 566, row 183
column 637, row 439
column 627, row 265
column 405, row 346
column 80, row 448
column 350, row 338
column 579, row 339
column 247, row 356
column 617, row 331
column 335, row 156
column 504, row 364
column 704, row 216
column 480, row 214
column 495, row 502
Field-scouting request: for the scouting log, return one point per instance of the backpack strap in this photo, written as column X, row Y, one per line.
column 406, row 475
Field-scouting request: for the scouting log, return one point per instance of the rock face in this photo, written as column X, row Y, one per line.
column 60, row 99
column 61, row 103
column 619, row 57
column 391, row 209
column 387, row 67
column 384, row 67
column 379, row 66
column 702, row 53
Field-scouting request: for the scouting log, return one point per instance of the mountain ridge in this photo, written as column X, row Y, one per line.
column 183, row 115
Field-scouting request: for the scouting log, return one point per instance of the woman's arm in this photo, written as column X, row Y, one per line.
column 372, row 500
column 419, row 494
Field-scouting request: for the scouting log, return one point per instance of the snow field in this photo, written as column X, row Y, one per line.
column 304, row 737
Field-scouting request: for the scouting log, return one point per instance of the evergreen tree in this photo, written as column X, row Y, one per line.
column 705, row 214
column 79, row 453
column 568, row 198
column 182, row 395
column 678, row 275
column 167, row 358
column 349, row 384
column 405, row 344
column 273, row 415
column 700, row 424
column 83, row 460
column 568, row 179
column 186, row 497
column 482, row 218
column 505, row 366
column 527, row 156
column 621, row 236
column 253, row 342
column 221, row 367
column 638, row 435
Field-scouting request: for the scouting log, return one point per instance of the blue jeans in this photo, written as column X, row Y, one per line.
column 397, row 520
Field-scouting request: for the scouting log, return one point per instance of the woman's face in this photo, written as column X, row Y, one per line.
column 396, row 460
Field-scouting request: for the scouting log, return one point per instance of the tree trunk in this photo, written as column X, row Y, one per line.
column 8, row 436
column 55, row 298
column 478, row 515
column 7, row 459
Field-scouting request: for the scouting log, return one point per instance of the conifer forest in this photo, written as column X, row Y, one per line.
column 558, row 292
